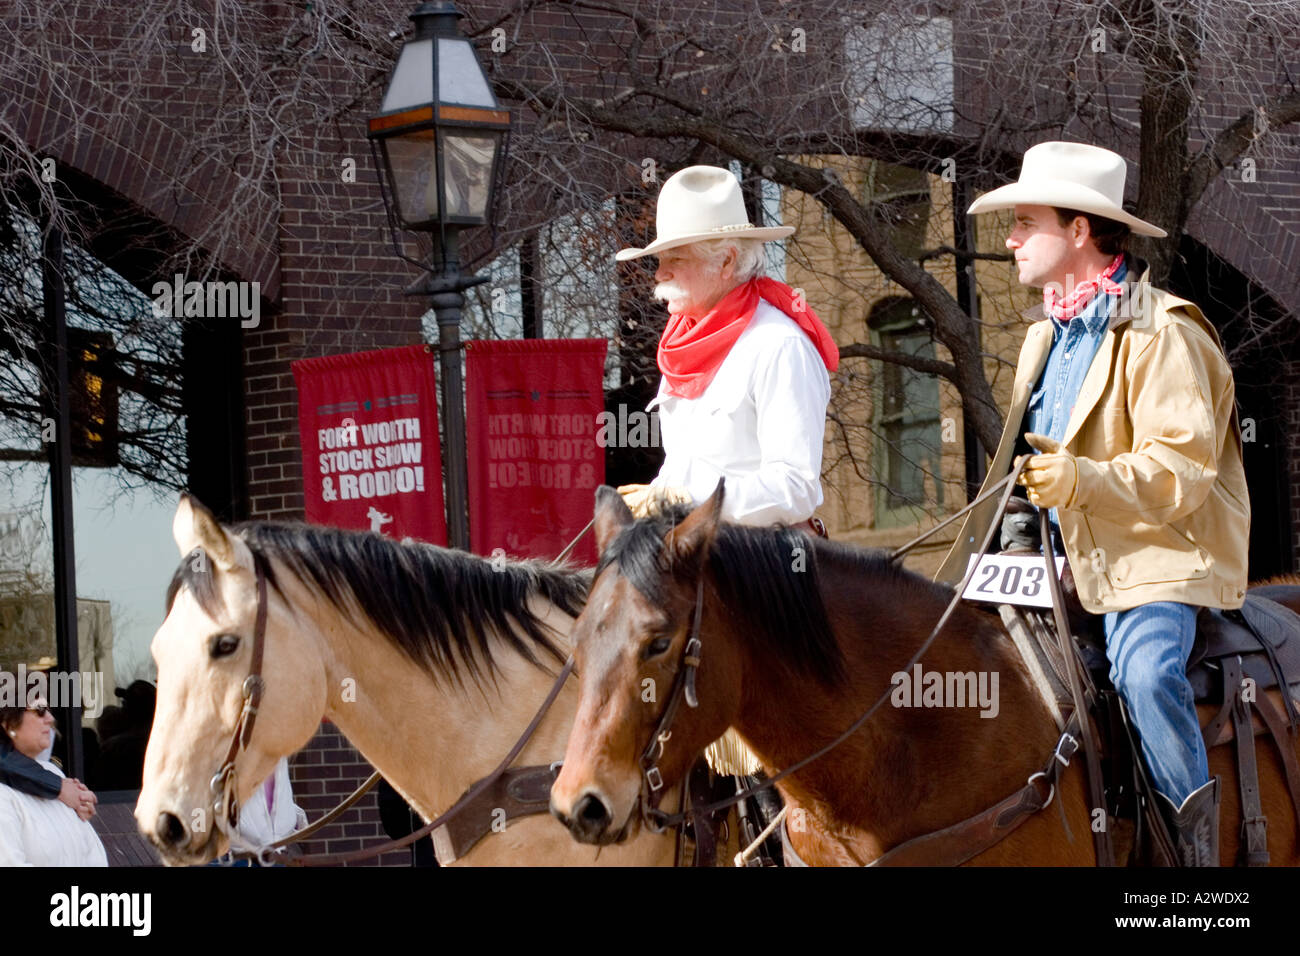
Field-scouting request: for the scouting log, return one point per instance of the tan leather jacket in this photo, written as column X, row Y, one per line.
column 1160, row 511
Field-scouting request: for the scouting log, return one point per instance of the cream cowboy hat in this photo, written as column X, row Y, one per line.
column 701, row 202
column 1069, row 176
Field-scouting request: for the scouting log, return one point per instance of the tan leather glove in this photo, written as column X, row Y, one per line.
column 1052, row 477
column 645, row 500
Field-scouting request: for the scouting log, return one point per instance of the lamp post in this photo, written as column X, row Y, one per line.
column 440, row 141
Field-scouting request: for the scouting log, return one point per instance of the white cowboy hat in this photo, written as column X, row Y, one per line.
column 1069, row 176
column 701, row 202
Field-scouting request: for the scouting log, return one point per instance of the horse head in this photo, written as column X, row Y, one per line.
column 630, row 643
column 204, row 654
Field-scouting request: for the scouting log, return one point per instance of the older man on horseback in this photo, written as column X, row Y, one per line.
column 745, row 384
column 1125, row 393
column 745, row 362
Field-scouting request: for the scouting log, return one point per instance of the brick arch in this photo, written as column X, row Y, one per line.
column 116, row 143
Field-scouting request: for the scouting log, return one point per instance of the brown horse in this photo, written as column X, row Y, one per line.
column 799, row 636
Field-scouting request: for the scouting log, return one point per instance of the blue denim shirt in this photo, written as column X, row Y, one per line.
column 1074, row 346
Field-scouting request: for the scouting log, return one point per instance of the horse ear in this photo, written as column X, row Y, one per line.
column 196, row 527
column 691, row 539
column 612, row 516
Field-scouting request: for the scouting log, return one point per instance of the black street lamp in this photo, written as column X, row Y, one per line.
column 440, row 144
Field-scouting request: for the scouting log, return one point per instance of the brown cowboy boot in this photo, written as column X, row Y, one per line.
column 1195, row 825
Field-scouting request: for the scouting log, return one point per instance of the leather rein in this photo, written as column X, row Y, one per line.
column 973, row 835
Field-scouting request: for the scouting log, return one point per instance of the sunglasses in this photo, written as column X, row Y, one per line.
column 40, row 710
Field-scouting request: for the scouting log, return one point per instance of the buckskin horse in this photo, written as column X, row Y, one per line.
column 430, row 661
column 796, row 638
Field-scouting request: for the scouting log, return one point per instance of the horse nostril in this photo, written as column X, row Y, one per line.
column 592, row 809
column 170, row 830
column 591, row 817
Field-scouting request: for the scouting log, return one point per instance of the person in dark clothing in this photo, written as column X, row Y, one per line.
column 125, row 733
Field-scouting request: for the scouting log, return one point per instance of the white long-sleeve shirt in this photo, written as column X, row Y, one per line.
column 759, row 424
column 260, row 823
column 38, row 831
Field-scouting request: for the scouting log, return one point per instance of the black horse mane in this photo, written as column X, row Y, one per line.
column 437, row 605
column 773, row 591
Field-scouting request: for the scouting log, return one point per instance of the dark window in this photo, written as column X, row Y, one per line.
column 907, row 421
column 900, row 197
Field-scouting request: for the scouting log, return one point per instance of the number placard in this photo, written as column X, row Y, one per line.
column 1011, row 579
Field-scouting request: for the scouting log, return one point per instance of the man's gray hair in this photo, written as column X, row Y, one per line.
column 751, row 261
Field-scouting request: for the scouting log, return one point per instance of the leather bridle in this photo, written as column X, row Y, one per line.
column 225, row 785
column 652, row 781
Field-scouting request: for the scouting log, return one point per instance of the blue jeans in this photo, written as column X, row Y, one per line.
column 1148, row 647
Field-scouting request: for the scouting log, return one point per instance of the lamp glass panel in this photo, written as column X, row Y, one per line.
column 460, row 77
column 412, row 158
column 412, row 81
column 468, row 160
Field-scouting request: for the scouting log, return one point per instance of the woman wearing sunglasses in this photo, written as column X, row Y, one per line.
column 39, row 831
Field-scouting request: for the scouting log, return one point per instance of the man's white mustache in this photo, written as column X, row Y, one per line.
column 668, row 290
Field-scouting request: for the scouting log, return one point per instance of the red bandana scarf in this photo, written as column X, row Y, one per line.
column 690, row 353
column 1063, row 310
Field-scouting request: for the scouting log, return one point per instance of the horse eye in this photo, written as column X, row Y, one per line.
column 658, row 646
column 224, row 645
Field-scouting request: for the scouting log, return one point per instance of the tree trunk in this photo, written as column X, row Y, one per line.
column 1168, row 48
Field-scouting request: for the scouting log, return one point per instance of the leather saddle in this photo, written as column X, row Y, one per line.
column 1263, row 633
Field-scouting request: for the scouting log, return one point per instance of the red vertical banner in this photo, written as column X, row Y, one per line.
column 370, row 453
column 532, row 412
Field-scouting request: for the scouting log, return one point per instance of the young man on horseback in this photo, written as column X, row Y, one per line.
column 1124, row 392
column 745, row 362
